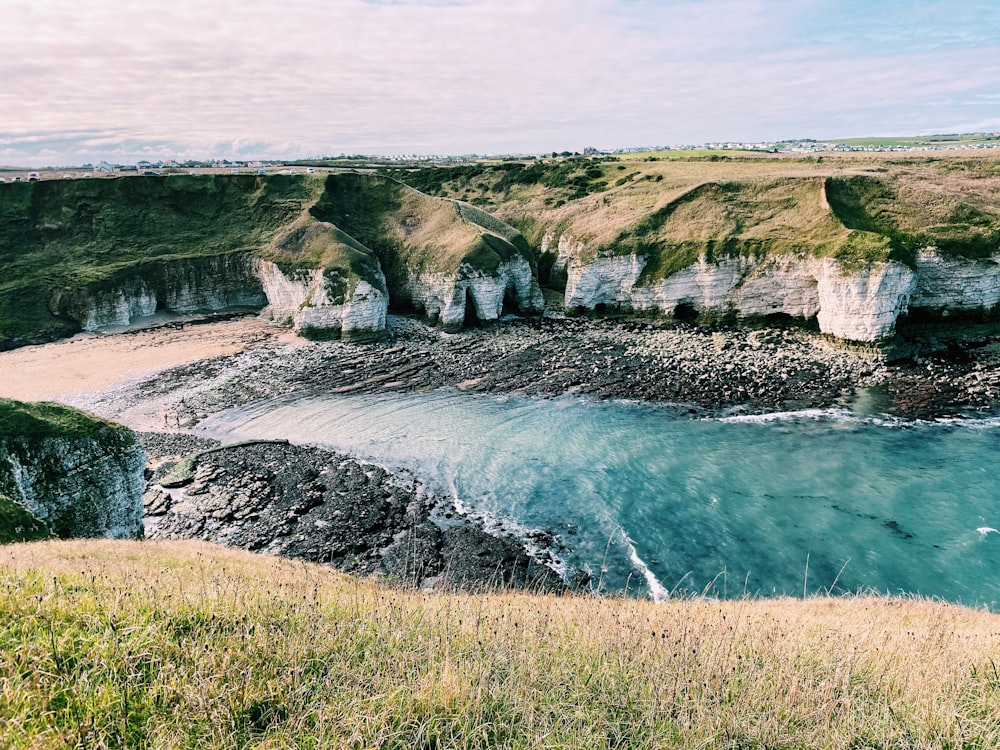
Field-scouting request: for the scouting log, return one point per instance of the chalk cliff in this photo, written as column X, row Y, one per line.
column 181, row 285
column 80, row 476
column 323, row 283
column 444, row 258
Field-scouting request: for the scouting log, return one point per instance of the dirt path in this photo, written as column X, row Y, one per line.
column 91, row 362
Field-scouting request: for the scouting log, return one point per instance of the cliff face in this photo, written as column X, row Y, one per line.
column 329, row 255
column 184, row 285
column 81, row 482
column 447, row 259
column 311, row 300
column 854, row 304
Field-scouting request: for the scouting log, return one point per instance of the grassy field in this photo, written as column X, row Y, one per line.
column 854, row 207
column 922, row 140
column 119, row 644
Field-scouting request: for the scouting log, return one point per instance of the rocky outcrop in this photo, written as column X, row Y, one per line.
column 183, row 285
column 447, row 259
column 449, row 298
column 855, row 304
column 313, row 504
column 314, row 300
column 944, row 285
column 79, row 485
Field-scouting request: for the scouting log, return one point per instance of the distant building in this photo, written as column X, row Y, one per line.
column 104, row 167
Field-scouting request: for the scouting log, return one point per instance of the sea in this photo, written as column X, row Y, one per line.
column 653, row 503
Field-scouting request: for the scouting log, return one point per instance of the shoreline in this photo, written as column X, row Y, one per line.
column 164, row 381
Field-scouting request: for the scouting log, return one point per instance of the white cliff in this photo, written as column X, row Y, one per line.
column 855, row 304
column 315, row 300
column 445, row 297
column 80, row 486
column 948, row 284
column 184, row 285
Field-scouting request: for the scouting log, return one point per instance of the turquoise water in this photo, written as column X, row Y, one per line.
column 659, row 505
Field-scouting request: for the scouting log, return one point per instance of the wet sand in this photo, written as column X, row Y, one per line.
column 92, row 362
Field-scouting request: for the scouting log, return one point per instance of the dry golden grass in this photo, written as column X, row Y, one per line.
column 182, row 644
column 927, row 192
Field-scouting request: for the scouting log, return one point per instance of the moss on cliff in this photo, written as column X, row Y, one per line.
column 18, row 525
column 49, row 420
column 410, row 232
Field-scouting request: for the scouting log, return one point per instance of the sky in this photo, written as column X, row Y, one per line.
column 123, row 80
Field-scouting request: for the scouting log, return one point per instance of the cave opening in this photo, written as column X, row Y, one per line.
column 685, row 312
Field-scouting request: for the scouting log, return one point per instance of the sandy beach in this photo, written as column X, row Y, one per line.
column 92, row 362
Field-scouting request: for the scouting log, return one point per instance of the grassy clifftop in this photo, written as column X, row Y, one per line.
column 319, row 245
column 49, row 420
column 188, row 645
column 61, row 235
column 410, row 231
column 856, row 209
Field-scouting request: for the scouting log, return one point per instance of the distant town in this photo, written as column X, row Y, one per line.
column 804, row 146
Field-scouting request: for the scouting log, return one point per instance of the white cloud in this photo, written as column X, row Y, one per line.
column 313, row 76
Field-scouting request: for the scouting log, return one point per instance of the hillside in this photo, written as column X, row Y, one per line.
column 857, row 208
column 60, row 236
column 93, row 253
column 188, row 645
column 852, row 243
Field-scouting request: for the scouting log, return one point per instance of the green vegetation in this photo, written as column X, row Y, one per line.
column 746, row 218
column 317, row 245
column 564, row 179
column 18, row 525
column 186, row 645
column 61, row 236
column 61, row 241
column 410, row 231
column 49, row 420
column 911, row 216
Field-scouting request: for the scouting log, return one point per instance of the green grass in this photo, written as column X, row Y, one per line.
column 60, row 237
column 48, row 420
column 410, row 231
column 186, row 645
column 911, row 218
column 18, row 525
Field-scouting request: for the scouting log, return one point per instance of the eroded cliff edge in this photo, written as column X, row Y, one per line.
column 77, row 475
column 851, row 251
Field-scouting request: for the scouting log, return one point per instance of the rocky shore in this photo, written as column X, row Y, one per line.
column 316, row 505
column 703, row 372
column 306, row 502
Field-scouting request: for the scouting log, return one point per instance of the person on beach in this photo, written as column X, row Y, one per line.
column 165, row 416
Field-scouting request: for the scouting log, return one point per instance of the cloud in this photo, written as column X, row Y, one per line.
column 318, row 76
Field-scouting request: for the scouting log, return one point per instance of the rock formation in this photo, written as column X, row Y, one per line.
column 184, row 285
column 79, row 475
column 445, row 258
column 328, row 255
column 323, row 283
